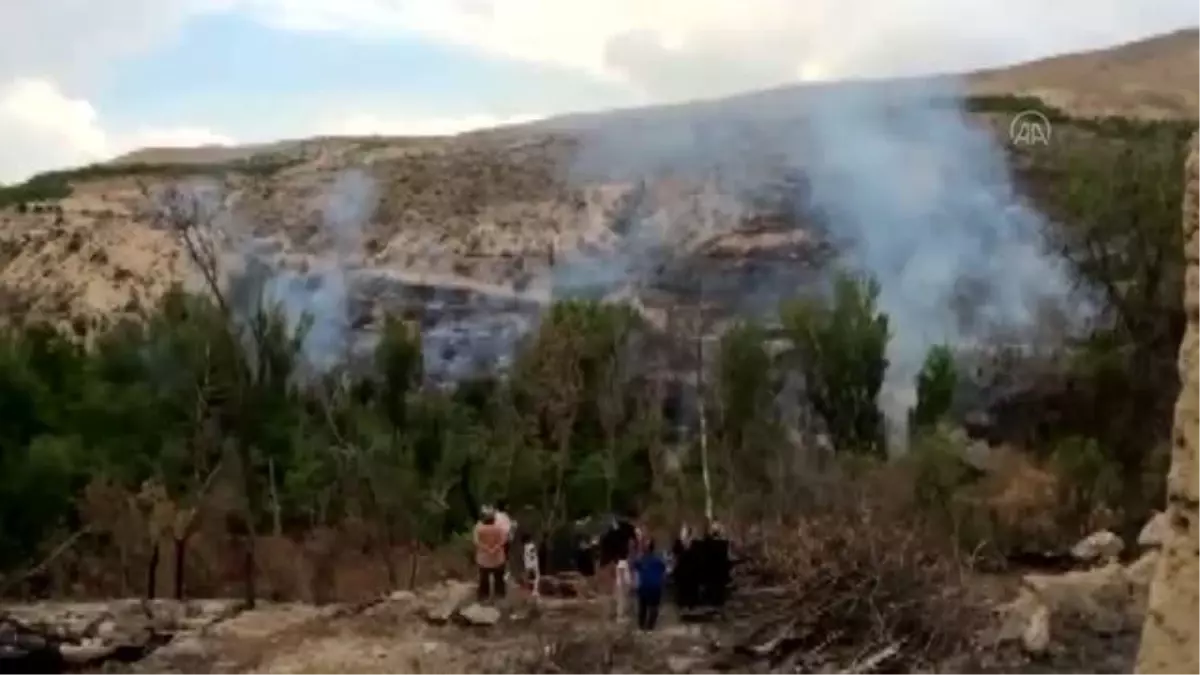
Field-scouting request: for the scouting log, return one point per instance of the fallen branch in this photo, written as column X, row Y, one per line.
column 874, row 660
column 41, row 566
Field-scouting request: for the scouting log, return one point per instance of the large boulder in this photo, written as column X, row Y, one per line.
column 1171, row 636
column 1060, row 610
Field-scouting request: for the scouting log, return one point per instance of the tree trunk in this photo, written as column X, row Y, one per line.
column 180, row 560
column 276, row 509
column 152, row 571
column 413, row 565
column 388, row 563
column 249, row 562
column 702, row 408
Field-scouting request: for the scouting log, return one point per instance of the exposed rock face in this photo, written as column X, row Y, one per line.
column 1169, row 638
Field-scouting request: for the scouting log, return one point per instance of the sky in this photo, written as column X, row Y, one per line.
column 86, row 80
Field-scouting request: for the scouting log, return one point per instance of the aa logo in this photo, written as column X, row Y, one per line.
column 1029, row 127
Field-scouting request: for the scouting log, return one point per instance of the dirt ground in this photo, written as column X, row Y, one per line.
column 396, row 635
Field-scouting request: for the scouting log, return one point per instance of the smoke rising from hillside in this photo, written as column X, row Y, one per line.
column 323, row 291
column 928, row 205
column 898, row 178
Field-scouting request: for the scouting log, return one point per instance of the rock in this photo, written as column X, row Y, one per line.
column 1171, row 636
column 683, row 664
column 476, row 614
column 1154, row 532
column 184, row 646
column 1035, row 638
column 402, row 596
column 1098, row 547
column 1141, row 571
column 91, row 651
column 1055, row 608
column 106, row 629
column 442, row 601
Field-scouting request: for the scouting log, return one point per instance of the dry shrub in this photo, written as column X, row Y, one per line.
column 1026, row 509
column 866, row 584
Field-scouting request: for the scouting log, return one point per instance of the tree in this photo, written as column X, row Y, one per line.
column 253, row 351
column 745, row 386
column 839, row 346
column 936, row 384
column 1116, row 203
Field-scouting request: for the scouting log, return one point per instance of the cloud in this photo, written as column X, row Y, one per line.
column 72, row 41
column 42, row 128
column 670, row 49
column 53, row 52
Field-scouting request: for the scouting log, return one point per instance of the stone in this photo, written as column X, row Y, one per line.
column 1035, row 639
column 90, row 651
column 1099, row 546
column 182, row 646
column 1154, row 532
column 683, row 664
column 476, row 614
column 445, row 599
column 1109, row 600
column 402, row 596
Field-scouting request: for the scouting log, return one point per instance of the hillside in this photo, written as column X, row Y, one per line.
column 1150, row 78
column 501, row 220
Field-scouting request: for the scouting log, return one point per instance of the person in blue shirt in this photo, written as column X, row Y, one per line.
column 651, row 572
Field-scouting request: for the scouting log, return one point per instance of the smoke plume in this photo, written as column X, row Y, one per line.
column 907, row 187
column 322, row 291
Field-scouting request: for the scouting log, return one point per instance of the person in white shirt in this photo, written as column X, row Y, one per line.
column 529, row 558
column 622, row 588
column 506, row 522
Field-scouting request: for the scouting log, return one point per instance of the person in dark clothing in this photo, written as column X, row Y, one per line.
column 561, row 550
column 617, row 542
column 651, row 571
column 717, row 567
column 686, row 585
column 585, row 553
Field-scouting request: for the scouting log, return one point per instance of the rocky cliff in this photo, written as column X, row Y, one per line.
column 1169, row 639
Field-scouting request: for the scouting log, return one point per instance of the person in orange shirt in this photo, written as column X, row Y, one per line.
column 491, row 549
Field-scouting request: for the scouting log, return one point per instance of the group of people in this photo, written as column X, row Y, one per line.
column 629, row 561
column 703, row 568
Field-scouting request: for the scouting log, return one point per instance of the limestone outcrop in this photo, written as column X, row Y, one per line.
column 1169, row 637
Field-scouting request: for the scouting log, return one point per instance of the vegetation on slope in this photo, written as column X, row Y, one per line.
column 55, row 185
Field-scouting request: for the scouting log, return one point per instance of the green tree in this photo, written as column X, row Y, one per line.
column 746, row 426
column 839, row 345
column 936, row 384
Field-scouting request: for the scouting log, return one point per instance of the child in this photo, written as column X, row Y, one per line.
column 651, row 572
column 529, row 552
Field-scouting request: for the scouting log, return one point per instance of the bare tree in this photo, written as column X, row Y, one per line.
column 193, row 215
